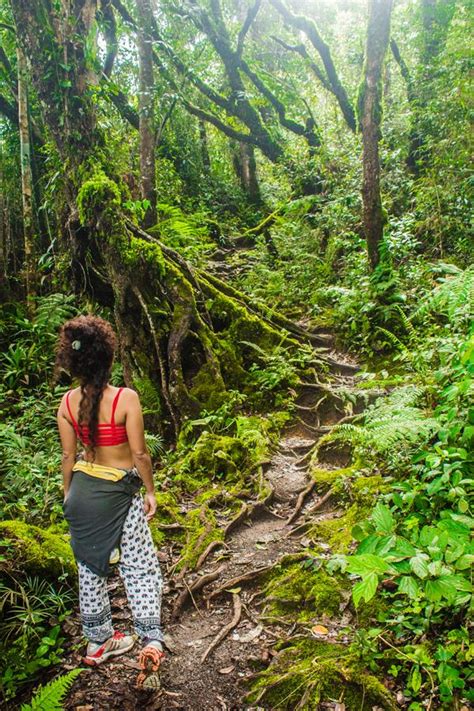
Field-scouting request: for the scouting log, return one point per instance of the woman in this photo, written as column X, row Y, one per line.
column 102, row 505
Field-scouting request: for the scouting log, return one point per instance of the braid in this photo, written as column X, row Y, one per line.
column 86, row 350
column 91, row 395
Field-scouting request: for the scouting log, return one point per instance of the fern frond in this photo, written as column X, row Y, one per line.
column 393, row 425
column 392, row 338
column 453, row 297
column 49, row 697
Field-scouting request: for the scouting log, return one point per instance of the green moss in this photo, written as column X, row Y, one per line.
column 337, row 531
column 98, row 197
column 35, row 550
column 137, row 252
column 213, row 456
column 210, row 394
column 201, row 529
column 319, row 671
column 306, row 593
column 329, row 476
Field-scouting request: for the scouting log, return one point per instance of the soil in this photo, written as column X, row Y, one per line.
column 260, row 540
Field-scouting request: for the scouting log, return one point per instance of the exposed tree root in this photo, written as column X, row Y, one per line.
column 212, row 546
column 252, row 574
column 228, row 628
column 300, row 501
column 304, row 525
column 198, row 584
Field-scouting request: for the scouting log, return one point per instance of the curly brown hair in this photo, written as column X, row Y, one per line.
column 85, row 349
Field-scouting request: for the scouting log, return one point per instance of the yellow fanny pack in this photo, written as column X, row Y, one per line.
column 99, row 471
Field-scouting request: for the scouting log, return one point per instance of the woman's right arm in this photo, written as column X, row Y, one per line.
column 68, row 444
column 141, row 458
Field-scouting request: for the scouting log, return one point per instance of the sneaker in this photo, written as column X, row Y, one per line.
column 118, row 644
column 150, row 660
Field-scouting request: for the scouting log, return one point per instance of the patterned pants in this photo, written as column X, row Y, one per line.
column 140, row 572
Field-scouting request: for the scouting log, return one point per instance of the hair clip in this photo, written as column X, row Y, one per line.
column 76, row 345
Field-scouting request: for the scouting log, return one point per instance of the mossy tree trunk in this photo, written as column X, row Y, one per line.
column 370, row 118
column 184, row 341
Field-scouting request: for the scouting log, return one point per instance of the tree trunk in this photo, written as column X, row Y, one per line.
column 146, row 109
column 246, row 168
column 182, row 337
column 26, row 177
column 370, row 117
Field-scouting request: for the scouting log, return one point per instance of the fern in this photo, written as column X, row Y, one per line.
column 453, row 297
column 53, row 310
column 392, row 427
column 49, row 697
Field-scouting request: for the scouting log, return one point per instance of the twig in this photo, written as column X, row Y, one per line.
column 228, row 628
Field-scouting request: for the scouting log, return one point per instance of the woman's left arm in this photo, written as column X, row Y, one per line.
column 68, row 444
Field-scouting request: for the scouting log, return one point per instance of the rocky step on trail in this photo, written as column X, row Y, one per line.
column 217, row 629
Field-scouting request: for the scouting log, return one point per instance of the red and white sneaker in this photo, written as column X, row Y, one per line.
column 118, row 644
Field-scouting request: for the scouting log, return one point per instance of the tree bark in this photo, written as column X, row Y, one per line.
column 26, row 178
column 246, row 169
column 146, row 109
column 370, row 116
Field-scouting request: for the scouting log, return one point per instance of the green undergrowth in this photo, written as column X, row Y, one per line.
column 211, row 473
column 308, row 671
column 303, row 592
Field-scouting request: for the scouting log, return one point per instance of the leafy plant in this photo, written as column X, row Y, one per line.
column 49, row 697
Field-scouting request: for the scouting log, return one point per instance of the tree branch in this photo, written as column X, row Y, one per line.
column 251, row 15
column 404, row 71
column 311, row 31
column 303, row 52
column 311, row 136
column 110, row 34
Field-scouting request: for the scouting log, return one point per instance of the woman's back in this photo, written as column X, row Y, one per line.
column 113, row 436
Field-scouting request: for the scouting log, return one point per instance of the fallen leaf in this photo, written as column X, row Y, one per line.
column 234, row 590
column 226, row 670
column 319, row 629
column 84, row 708
column 253, row 634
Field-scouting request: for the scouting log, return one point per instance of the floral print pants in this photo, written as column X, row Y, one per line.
column 140, row 572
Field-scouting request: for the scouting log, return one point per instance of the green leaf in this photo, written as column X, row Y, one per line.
column 367, row 563
column 419, row 565
column 409, row 586
column 415, row 679
column 365, row 589
column 383, row 519
column 464, row 562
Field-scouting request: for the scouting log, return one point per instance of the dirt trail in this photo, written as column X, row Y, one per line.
column 259, row 540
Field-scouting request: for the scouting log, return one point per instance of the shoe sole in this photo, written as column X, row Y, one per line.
column 90, row 661
column 150, row 663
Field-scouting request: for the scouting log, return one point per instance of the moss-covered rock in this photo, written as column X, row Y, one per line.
column 303, row 592
column 35, row 551
column 313, row 672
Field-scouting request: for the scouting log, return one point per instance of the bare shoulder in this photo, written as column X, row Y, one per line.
column 130, row 396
